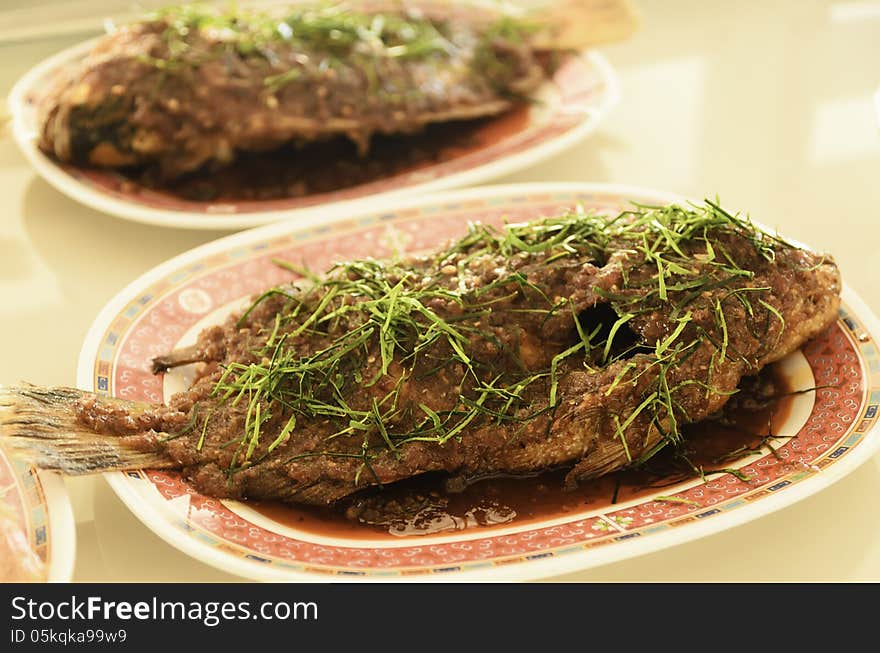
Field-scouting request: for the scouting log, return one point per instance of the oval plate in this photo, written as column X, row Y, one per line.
column 568, row 108
column 37, row 532
column 834, row 426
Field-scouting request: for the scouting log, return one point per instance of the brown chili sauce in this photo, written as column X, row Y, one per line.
column 302, row 170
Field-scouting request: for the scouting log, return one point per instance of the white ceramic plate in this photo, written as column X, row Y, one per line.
column 570, row 106
column 165, row 308
column 37, row 531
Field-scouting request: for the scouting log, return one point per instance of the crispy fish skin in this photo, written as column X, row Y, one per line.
column 801, row 286
column 182, row 91
column 521, row 391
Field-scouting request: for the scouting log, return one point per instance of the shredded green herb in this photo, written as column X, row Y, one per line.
column 325, row 36
column 677, row 500
column 369, row 327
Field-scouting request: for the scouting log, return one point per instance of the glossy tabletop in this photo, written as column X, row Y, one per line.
column 772, row 106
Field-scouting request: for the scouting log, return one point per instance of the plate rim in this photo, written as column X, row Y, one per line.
column 536, row 569
column 84, row 194
column 62, row 527
column 59, row 521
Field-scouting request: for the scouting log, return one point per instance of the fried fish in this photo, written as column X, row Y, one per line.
column 192, row 87
column 580, row 341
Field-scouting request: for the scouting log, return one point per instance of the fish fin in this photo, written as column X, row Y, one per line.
column 583, row 24
column 40, row 425
column 178, row 357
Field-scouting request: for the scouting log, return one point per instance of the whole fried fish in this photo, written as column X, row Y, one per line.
column 580, row 341
column 192, row 86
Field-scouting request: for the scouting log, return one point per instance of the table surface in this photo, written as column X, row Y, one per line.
column 773, row 106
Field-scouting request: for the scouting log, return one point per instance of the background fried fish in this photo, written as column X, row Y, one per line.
column 193, row 86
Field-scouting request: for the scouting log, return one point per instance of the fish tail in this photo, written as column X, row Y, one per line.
column 40, row 425
column 582, row 24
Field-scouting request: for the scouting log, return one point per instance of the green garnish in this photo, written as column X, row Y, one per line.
column 324, row 36
column 678, row 500
column 342, row 349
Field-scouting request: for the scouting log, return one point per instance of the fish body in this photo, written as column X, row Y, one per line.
column 579, row 341
column 192, row 86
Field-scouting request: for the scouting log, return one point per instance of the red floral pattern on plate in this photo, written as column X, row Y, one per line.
column 24, row 507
